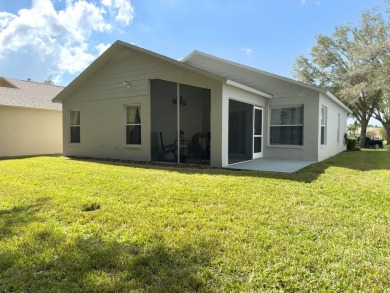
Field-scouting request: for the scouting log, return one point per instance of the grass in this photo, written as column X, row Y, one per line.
column 83, row 226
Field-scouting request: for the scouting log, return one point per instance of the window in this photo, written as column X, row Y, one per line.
column 323, row 125
column 286, row 127
column 74, row 126
column 133, row 125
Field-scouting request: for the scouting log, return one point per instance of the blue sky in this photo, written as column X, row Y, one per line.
column 59, row 38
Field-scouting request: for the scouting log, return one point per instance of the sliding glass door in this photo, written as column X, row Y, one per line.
column 245, row 132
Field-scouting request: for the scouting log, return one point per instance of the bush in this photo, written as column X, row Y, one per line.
column 351, row 144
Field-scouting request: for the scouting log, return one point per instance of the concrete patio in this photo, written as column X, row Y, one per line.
column 272, row 165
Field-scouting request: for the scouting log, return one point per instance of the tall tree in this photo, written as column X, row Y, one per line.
column 344, row 62
column 375, row 55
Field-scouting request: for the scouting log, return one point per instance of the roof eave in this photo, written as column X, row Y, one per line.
column 337, row 101
column 84, row 73
column 282, row 78
column 248, row 89
column 31, row 108
column 279, row 77
column 12, row 86
column 174, row 62
column 106, row 54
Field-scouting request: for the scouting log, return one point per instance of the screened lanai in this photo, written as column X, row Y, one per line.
column 180, row 123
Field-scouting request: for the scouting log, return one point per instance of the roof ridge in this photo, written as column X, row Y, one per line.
column 31, row 81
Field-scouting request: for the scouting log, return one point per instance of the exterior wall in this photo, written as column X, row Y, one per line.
column 230, row 92
column 332, row 147
column 309, row 150
column 102, row 97
column 26, row 132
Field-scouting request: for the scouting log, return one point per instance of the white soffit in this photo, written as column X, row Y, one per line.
column 249, row 89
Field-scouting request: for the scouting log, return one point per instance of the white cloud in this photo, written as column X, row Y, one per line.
column 101, row 48
column 123, row 10
column 247, row 51
column 5, row 19
column 75, row 59
column 107, row 3
column 57, row 40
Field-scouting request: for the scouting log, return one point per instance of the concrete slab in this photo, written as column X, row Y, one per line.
column 282, row 166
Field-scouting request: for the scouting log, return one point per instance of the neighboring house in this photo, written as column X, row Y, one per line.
column 134, row 104
column 373, row 132
column 30, row 123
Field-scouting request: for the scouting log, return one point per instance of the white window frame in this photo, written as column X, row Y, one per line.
column 288, row 125
column 74, row 126
column 323, row 125
column 133, row 124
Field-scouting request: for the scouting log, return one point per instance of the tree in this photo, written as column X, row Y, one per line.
column 49, row 80
column 347, row 65
column 353, row 128
column 376, row 57
column 383, row 134
column 382, row 114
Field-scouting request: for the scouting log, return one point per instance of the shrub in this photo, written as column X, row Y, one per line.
column 351, row 144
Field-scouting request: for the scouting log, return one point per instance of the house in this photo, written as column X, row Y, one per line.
column 134, row 104
column 31, row 124
column 373, row 132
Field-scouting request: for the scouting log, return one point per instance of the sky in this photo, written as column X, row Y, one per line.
column 58, row 39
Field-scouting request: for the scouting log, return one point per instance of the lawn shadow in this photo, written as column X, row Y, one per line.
column 13, row 222
column 365, row 160
column 94, row 264
column 19, row 216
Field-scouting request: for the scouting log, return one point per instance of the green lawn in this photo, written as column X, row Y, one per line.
column 71, row 225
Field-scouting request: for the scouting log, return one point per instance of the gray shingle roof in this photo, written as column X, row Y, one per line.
column 29, row 94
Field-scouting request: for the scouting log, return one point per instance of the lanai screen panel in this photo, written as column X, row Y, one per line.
column 163, row 119
column 187, row 139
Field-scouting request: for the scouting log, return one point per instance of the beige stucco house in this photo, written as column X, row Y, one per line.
column 30, row 123
column 134, row 104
